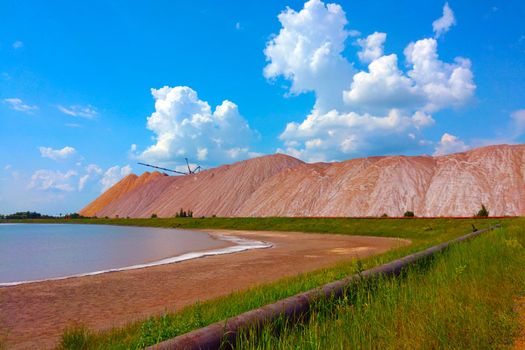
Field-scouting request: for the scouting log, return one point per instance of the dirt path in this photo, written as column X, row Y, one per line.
column 34, row 315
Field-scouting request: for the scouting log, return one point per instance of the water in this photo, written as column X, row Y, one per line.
column 31, row 252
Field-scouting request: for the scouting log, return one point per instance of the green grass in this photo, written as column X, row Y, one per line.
column 422, row 232
column 462, row 299
column 418, row 230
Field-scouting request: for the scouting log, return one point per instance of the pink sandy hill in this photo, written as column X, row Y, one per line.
column 280, row 185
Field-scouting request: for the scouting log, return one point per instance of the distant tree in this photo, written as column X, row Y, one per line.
column 22, row 215
column 483, row 212
column 184, row 214
column 385, row 215
column 153, row 216
column 408, row 214
column 73, row 216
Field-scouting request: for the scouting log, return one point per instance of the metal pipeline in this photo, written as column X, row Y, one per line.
column 292, row 308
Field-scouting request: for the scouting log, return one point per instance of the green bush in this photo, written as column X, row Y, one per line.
column 153, row 216
column 408, row 214
column 483, row 212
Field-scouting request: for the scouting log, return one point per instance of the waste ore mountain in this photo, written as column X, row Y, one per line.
column 280, row 185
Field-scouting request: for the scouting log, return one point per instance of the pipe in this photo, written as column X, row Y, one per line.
column 225, row 332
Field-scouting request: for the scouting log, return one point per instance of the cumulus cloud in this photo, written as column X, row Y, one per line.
column 333, row 135
column 87, row 112
column 442, row 84
column 57, row 154
column 53, row 180
column 371, row 47
column 186, row 126
column 384, row 86
column 443, row 24
column 113, row 175
column 450, row 144
column 382, row 108
column 18, row 45
column 429, row 85
column 308, row 52
column 19, row 105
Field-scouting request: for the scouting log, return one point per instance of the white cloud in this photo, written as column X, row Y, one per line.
column 53, row 180
column 82, row 182
column 510, row 133
column 308, row 52
column 518, row 123
column 19, row 105
column 202, row 153
column 57, row 154
column 334, row 135
column 238, row 26
column 87, row 112
column 443, row 84
column 186, row 126
column 443, row 24
column 384, row 86
column 450, row 144
column 382, row 108
column 93, row 172
column 18, row 45
column 354, row 33
column 8, row 167
column 93, row 169
column 422, row 120
column 113, row 175
column 429, row 85
column 371, row 47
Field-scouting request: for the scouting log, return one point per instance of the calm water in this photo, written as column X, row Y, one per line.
column 40, row 251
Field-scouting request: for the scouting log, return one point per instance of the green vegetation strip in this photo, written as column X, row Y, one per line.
column 423, row 233
column 463, row 298
column 296, row 307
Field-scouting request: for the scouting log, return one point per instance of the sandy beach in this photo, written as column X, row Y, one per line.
column 34, row 315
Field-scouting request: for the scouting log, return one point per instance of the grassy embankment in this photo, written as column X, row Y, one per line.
column 463, row 298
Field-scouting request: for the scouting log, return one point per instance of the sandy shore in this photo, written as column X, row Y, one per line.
column 34, row 315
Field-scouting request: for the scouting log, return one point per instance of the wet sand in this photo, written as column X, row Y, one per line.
column 34, row 315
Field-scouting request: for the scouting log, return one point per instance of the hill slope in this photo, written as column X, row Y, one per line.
column 280, row 185
column 127, row 184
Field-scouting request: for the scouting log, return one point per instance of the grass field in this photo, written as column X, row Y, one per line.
column 461, row 299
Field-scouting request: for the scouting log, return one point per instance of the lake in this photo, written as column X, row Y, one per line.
column 32, row 252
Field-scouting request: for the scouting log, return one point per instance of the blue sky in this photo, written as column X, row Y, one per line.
column 78, row 110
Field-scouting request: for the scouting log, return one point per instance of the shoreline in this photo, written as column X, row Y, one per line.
column 238, row 245
column 34, row 315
